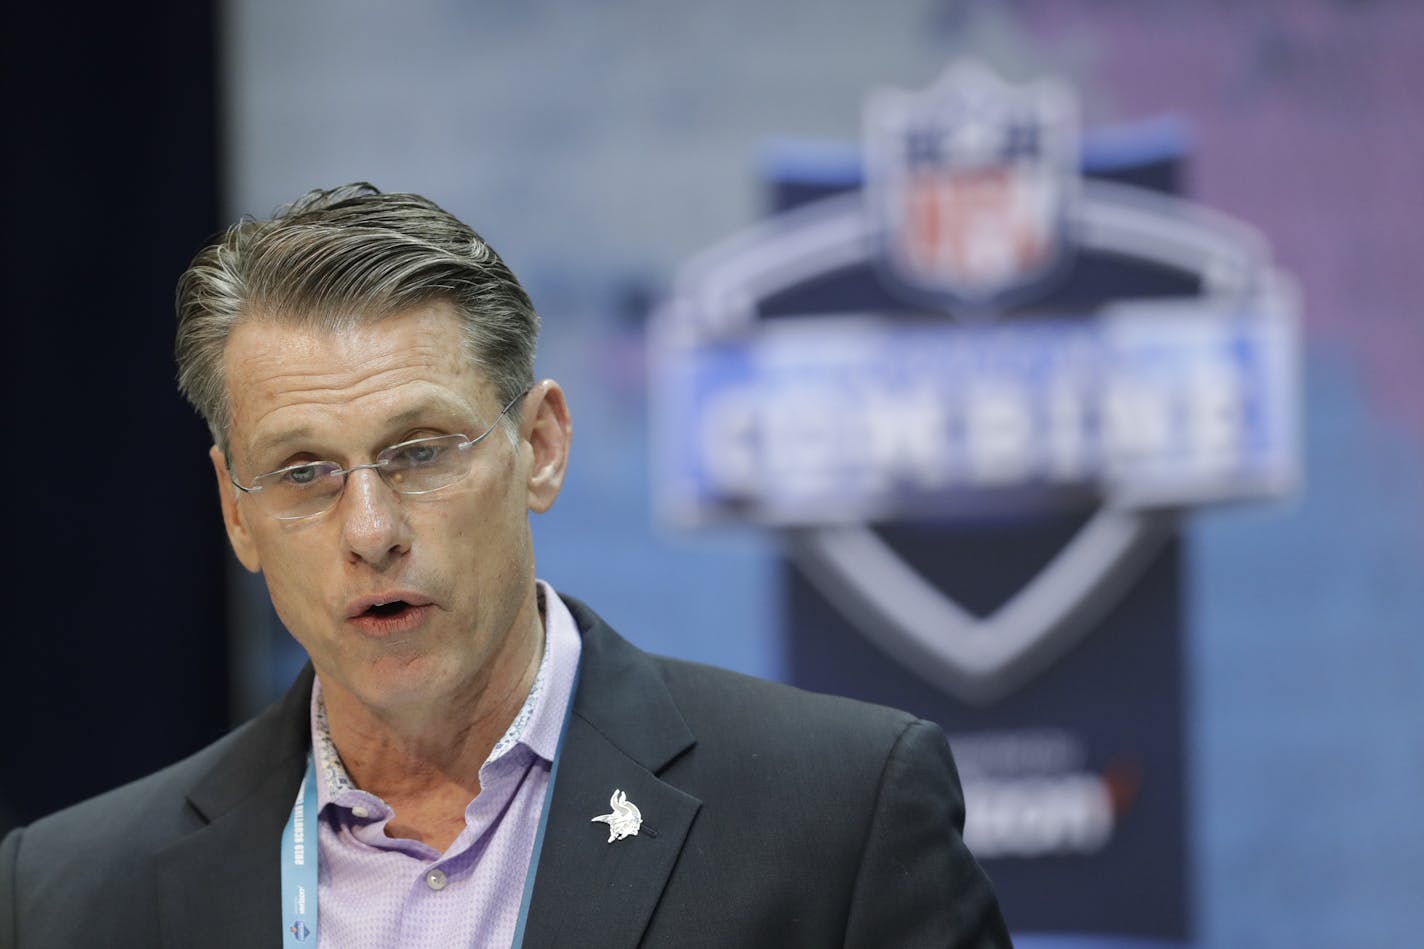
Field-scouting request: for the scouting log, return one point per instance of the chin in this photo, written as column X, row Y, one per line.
column 392, row 684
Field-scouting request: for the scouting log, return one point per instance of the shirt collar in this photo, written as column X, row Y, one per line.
column 537, row 725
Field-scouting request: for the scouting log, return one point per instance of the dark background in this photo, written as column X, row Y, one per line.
column 115, row 653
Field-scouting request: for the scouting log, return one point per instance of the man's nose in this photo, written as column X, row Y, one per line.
column 373, row 525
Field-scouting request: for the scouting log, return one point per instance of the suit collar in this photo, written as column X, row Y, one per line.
column 220, row 886
column 278, row 739
column 625, row 729
column 622, row 695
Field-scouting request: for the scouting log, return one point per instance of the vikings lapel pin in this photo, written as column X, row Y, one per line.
column 624, row 820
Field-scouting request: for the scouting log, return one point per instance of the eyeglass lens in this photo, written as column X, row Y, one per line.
column 414, row 467
column 418, row 466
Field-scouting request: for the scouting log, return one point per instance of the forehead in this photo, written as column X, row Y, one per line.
column 288, row 381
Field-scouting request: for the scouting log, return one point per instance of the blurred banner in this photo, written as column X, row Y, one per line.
column 974, row 370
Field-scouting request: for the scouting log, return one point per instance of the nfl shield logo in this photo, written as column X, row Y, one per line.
column 970, row 182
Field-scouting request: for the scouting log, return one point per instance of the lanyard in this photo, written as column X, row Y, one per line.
column 299, row 867
column 299, row 861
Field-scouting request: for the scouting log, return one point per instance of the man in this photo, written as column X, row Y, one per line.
column 470, row 760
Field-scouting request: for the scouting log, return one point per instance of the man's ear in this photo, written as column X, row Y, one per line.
column 237, row 533
column 545, row 427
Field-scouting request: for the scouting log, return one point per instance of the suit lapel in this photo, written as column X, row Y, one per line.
column 625, row 729
column 220, row 886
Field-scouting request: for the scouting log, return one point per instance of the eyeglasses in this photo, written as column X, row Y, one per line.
column 419, row 466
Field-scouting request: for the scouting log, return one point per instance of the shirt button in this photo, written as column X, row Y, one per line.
column 435, row 879
column 360, row 813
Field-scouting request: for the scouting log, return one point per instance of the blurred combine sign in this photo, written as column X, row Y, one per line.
column 972, row 372
column 945, row 404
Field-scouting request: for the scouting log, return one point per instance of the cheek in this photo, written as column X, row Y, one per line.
column 490, row 538
column 292, row 577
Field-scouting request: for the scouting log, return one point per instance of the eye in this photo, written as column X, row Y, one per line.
column 417, row 454
column 302, row 475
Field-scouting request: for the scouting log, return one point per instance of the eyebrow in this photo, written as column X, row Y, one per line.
column 269, row 443
column 416, row 413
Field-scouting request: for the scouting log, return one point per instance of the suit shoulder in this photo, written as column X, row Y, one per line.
column 141, row 815
column 144, row 815
column 720, row 702
column 743, row 714
column 99, row 863
column 99, row 855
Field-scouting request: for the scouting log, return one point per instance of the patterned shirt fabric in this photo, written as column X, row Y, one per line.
column 377, row 891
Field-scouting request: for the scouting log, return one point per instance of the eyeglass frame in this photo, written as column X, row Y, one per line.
column 378, row 466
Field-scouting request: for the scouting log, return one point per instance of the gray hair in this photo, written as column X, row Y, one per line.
column 337, row 258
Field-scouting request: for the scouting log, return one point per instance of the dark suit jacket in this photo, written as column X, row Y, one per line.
column 771, row 817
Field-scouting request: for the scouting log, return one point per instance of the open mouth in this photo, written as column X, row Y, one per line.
column 402, row 613
column 387, row 610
